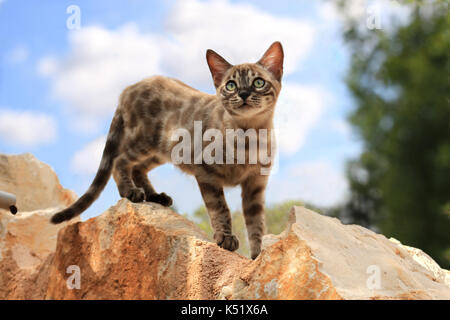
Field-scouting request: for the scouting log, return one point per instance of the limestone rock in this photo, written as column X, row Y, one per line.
column 146, row 251
column 33, row 182
column 27, row 239
column 140, row 251
column 318, row 257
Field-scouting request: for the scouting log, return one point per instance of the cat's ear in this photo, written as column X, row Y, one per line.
column 218, row 66
column 272, row 60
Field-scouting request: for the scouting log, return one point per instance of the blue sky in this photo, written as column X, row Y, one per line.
column 58, row 86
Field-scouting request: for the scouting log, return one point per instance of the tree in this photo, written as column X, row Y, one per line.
column 399, row 79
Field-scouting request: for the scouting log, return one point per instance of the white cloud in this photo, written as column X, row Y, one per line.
column 47, row 66
column 101, row 62
column 239, row 32
column 317, row 183
column 298, row 109
column 87, row 160
column 26, row 128
column 18, row 54
column 330, row 11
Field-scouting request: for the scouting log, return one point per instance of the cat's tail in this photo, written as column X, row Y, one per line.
column 101, row 178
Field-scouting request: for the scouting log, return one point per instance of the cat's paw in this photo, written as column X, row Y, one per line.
column 227, row 241
column 136, row 195
column 161, row 198
column 255, row 248
column 255, row 254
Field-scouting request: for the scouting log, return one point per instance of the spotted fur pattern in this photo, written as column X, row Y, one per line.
column 140, row 140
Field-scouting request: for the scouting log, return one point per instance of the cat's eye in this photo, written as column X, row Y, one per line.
column 231, row 85
column 259, row 83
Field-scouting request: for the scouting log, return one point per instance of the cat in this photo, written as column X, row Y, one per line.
column 149, row 112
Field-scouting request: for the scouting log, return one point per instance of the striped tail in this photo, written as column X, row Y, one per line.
column 101, row 178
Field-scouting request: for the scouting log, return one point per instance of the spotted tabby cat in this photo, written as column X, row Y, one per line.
column 149, row 111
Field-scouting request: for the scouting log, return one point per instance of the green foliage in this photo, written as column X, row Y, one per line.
column 400, row 82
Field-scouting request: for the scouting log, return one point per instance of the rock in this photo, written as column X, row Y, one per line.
column 427, row 262
column 146, row 251
column 33, row 182
column 27, row 239
column 140, row 251
column 318, row 257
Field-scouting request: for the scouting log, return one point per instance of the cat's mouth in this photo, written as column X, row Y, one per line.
column 244, row 105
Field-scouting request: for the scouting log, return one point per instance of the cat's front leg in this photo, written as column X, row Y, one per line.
column 253, row 206
column 219, row 214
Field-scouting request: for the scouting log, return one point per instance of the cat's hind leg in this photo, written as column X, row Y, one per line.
column 122, row 171
column 140, row 179
column 253, row 204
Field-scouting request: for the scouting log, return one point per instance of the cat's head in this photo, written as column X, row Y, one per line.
column 247, row 90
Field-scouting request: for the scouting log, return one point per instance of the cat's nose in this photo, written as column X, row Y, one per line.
column 244, row 95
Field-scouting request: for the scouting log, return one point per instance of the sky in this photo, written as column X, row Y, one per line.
column 63, row 65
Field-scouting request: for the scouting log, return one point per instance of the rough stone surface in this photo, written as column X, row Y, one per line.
column 146, row 251
column 27, row 239
column 33, row 182
column 140, row 251
column 318, row 257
